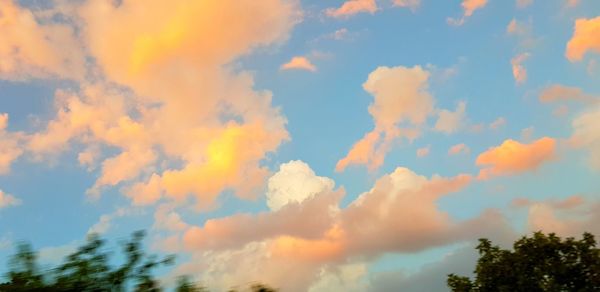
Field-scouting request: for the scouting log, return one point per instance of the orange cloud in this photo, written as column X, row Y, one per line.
column 400, row 96
column 299, row 63
column 178, row 101
column 352, row 7
column 469, row 7
column 519, row 71
column 557, row 92
column 586, row 38
column 449, row 122
column 31, row 50
column 512, row 157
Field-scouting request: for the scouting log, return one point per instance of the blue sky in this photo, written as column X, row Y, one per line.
column 218, row 126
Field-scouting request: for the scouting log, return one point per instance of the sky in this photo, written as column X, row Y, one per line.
column 358, row 145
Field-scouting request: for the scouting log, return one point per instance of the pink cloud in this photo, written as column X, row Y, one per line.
column 352, row 7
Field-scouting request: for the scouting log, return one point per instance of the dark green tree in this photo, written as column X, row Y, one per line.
column 87, row 269
column 538, row 263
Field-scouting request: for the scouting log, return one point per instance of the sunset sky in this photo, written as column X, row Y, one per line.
column 358, row 145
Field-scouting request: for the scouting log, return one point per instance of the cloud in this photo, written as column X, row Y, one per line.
column 449, row 122
column 498, row 123
column 524, row 3
column 31, row 50
column 352, row 7
column 558, row 92
column 158, row 107
column 7, row 200
column 295, row 182
column 10, row 149
column 105, row 221
column 586, row 38
column 512, row 157
column 321, row 237
column 586, row 134
column 519, row 71
column 401, row 95
column 568, row 217
column 299, row 63
column 458, row 149
column 411, row 4
column 469, row 7
column 423, row 152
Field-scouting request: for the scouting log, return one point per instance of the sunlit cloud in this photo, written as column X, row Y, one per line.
column 299, row 63
column 512, row 157
column 586, row 38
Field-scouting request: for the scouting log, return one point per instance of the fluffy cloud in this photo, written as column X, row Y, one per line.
column 160, row 91
column 321, row 237
column 352, row 7
column 30, row 50
column 586, row 38
column 512, row 157
column 449, row 122
column 7, row 200
column 401, row 95
column 586, row 134
column 469, row 7
column 293, row 183
column 519, row 71
column 299, row 63
column 558, row 92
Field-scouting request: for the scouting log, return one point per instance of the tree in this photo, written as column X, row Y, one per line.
column 538, row 263
column 88, row 269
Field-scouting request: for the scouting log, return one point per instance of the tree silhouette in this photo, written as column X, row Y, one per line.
column 538, row 263
column 88, row 269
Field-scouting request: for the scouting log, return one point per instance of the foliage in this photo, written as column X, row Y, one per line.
column 538, row 263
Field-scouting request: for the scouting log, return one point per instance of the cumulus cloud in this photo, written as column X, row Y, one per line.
column 469, row 7
column 160, row 91
column 299, row 63
column 321, row 237
column 449, row 122
column 512, row 157
column 518, row 69
column 293, row 183
column 352, row 7
column 7, row 200
column 586, row 38
column 401, row 95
